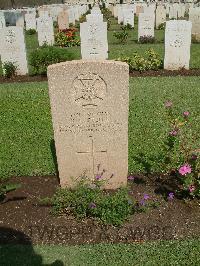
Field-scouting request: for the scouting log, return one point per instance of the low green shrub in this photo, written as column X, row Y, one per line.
column 55, row 24
column 121, row 36
column 107, row 14
column 31, row 32
column 161, row 26
column 146, row 39
column 9, row 69
column 195, row 39
column 127, row 27
column 88, row 199
column 151, row 61
column 44, row 56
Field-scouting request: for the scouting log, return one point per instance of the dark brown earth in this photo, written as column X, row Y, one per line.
column 23, row 220
column 149, row 73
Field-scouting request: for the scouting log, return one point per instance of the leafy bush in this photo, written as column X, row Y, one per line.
column 122, row 36
column 107, row 14
column 108, row 23
column 9, row 69
column 44, row 56
column 178, row 153
column 195, row 39
column 151, row 61
column 127, row 27
column 161, row 26
column 146, row 39
column 55, row 24
column 67, row 38
column 87, row 199
column 31, row 32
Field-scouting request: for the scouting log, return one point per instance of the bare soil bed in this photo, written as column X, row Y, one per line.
column 23, row 220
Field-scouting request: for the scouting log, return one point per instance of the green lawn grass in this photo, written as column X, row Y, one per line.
column 153, row 253
column 26, row 132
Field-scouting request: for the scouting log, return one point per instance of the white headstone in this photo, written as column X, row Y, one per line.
column 177, row 44
column 128, row 17
column 94, row 44
column 45, row 30
column 194, row 17
column 160, row 16
column 30, row 21
column 20, row 21
column 12, row 48
column 94, row 18
column 146, row 25
column 173, row 11
column 2, row 20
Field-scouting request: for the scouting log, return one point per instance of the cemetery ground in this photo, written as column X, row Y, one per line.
column 28, row 155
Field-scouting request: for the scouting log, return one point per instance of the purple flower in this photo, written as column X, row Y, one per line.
column 97, row 177
column 185, row 169
column 191, row 188
column 194, row 157
column 92, row 205
column 186, row 114
column 170, row 196
column 146, row 197
column 142, row 202
column 168, row 104
column 131, row 177
column 173, row 133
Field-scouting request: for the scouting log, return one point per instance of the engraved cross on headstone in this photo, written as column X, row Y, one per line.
column 92, row 151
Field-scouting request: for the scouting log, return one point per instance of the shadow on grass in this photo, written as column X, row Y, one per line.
column 16, row 249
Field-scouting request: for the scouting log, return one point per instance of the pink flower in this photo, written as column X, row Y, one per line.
column 173, row 133
column 168, row 104
column 191, row 188
column 194, row 157
column 186, row 114
column 185, row 169
column 130, row 177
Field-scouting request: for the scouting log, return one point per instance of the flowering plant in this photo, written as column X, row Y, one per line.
column 67, row 38
column 181, row 157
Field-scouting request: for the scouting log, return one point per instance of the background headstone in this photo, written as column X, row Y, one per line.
column 160, row 16
column 94, row 43
column 63, row 20
column 12, row 48
column 146, row 25
column 45, row 30
column 177, row 44
column 30, row 21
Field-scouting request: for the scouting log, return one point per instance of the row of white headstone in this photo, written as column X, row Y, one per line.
column 94, row 44
column 12, row 41
column 150, row 17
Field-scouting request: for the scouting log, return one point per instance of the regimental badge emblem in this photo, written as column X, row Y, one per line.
column 89, row 90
